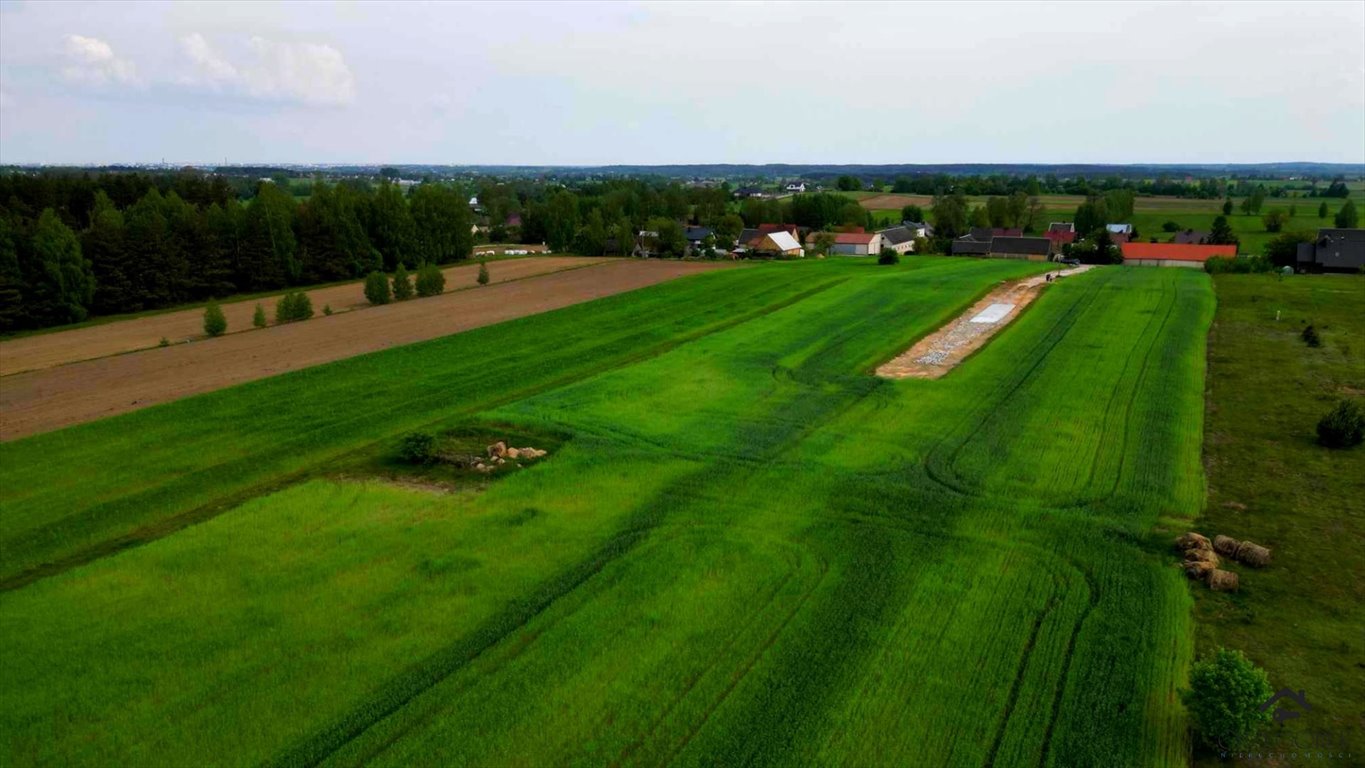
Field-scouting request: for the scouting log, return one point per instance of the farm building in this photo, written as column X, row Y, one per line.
column 1173, row 254
column 695, row 237
column 1062, row 226
column 1031, row 248
column 1191, row 237
column 796, row 186
column 970, row 246
column 1334, row 250
column 780, row 243
column 1060, row 237
column 857, row 243
column 899, row 239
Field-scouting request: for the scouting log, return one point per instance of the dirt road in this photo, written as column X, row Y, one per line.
column 43, row 400
column 941, row 351
column 45, row 350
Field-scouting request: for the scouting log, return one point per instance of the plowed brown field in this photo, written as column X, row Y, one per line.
column 60, row 347
column 43, row 400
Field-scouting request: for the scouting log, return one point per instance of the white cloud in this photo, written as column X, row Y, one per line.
column 91, row 61
column 305, row 73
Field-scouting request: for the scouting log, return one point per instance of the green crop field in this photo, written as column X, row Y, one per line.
column 742, row 549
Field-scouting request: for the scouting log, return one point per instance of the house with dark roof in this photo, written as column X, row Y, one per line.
column 1173, row 254
column 695, row 237
column 899, row 239
column 1191, row 237
column 1334, row 250
column 970, row 246
column 1062, row 226
column 1031, row 248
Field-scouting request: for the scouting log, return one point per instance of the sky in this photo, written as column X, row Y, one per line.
column 661, row 83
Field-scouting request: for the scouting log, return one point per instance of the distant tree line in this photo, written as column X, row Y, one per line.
column 76, row 246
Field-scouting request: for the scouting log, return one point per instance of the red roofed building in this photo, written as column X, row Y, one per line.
column 1173, row 254
column 857, row 243
column 1060, row 238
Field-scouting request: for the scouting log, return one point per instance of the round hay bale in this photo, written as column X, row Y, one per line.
column 1254, row 555
column 1222, row 581
column 1202, row 556
column 1197, row 569
column 1226, row 545
column 1192, row 540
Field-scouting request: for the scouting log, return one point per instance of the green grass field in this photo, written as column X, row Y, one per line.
column 744, row 548
column 1269, row 481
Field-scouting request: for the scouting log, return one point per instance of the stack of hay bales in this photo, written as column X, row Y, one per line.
column 1245, row 552
column 1201, row 561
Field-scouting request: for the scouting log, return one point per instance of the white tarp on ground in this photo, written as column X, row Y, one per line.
column 993, row 314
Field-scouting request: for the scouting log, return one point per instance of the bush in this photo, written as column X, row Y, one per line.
column 430, row 280
column 1343, row 426
column 889, row 256
column 1170, row 226
column 417, row 448
column 1225, row 697
column 327, row 309
column 1310, row 337
column 377, row 288
column 215, row 324
column 402, row 284
column 258, row 317
column 1239, row 265
column 483, row 273
column 292, row 307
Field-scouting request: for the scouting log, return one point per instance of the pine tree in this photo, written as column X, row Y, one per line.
column 1347, row 218
column 402, row 284
column 215, row 322
column 1322, row 210
column 430, row 280
column 377, row 288
column 258, row 318
column 58, row 283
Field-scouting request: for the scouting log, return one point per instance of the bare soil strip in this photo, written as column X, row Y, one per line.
column 40, row 401
column 46, row 350
column 941, row 351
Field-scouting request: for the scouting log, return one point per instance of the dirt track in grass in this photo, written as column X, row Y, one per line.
column 941, row 351
column 43, row 400
column 45, row 350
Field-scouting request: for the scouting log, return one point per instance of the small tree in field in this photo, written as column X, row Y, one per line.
column 483, row 273
column 430, row 280
column 215, row 324
column 1322, row 211
column 1347, row 218
column 402, row 284
column 258, row 317
column 1342, row 427
column 293, row 307
column 1227, row 207
column 417, row 448
column 377, row 288
column 889, row 256
column 1225, row 697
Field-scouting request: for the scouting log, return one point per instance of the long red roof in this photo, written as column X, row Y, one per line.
column 1176, row 251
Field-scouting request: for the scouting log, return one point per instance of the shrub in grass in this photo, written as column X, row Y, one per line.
column 165, row 342
column 215, row 323
column 292, row 307
column 1310, row 337
column 402, row 284
column 1343, row 426
column 430, row 280
column 417, row 448
column 327, row 309
column 483, row 273
column 889, row 256
column 258, row 317
column 377, row 288
column 1225, row 697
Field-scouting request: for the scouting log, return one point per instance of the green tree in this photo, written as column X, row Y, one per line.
column 625, row 237
column 430, row 280
column 980, row 217
column 268, row 256
column 728, row 229
column 823, row 243
column 11, row 279
column 59, row 285
column 1343, row 426
column 293, row 307
column 402, row 284
column 950, row 215
column 889, row 256
column 377, row 290
column 1227, row 207
column 1347, row 218
column 912, row 213
column 215, row 322
column 561, row 220
column 332, row 240
column 1274, row 219
column 1091, row 215
column 390, row 226
column 1322, row 210
column 671, row 241
column 1221, row 233
column 1283, row 249
column 104, row 243
column 592, row 238
column 443, row 223
column 848, row 183
column 1225, row 697
column 483, row 277
column 258, row 317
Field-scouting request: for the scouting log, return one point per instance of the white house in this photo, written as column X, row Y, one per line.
column 796, row 186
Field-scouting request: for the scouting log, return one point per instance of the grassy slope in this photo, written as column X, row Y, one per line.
column 802, row 564
column 1270, row 482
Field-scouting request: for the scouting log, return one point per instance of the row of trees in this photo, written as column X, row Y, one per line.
column 64, row 265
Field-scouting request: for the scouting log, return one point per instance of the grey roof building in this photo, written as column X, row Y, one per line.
column 1191, row 237
column 969, row 246
column 1020, row 246
column 1334, row 250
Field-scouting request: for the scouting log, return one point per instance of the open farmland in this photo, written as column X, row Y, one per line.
column 744, row 548
column 117, row 336
column 41, row 400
